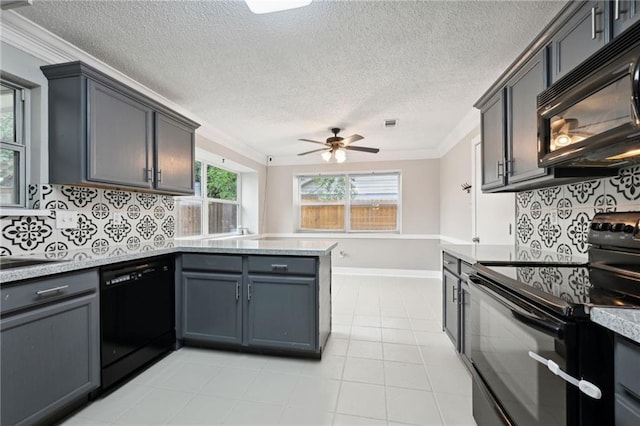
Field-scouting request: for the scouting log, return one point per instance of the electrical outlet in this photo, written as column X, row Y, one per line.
column 117, row 218
column 66, row 219
column 553, row 217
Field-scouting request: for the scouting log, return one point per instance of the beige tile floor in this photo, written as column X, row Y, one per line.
column 387, row 363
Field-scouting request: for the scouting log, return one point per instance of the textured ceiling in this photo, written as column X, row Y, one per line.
column 266, row 80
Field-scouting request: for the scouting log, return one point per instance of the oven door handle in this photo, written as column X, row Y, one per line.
column 524, row 316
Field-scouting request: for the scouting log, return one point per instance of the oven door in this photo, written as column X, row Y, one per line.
column 504, row 330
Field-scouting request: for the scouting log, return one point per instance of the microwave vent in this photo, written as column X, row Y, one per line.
column 390, row 123
column 620, row 45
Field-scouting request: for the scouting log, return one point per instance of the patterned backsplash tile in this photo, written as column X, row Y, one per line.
column 106, row 217
column 557, row 218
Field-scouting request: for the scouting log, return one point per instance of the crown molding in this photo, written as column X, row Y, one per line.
column 31, row 38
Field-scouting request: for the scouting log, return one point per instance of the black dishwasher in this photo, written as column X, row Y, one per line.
column 137, row 316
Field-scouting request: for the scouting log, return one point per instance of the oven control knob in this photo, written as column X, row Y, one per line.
column 628, row 229
column 595, row 226
column 618, row 227
column 605, row 227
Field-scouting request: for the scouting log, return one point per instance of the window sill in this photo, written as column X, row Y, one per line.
column 15, row 212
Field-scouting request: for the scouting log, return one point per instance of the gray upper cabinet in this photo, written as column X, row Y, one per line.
column 581, row 36
column 103, row 132
column 281, row 312
column 175, row 155
column 120, row 138
column 624, row 14
column 493, row 142
column 522, row 133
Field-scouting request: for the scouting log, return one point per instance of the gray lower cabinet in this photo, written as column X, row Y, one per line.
column 450, row 289
column 49, row 339
column 627, row 385
column 102, row 132
column 211, row 307
column 281, row 312
column 279, row 303
column 580, row 37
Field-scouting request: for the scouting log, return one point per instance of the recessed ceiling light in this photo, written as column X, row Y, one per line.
column 268, row 6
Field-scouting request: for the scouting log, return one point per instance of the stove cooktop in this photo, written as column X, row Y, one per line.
column 574, row 284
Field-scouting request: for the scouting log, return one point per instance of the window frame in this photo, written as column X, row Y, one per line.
column 22, row 143
column 203, row 199
column 347, row 203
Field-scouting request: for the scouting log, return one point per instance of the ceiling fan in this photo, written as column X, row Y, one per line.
column 335, row 145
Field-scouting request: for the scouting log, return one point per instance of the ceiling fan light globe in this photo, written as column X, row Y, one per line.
column 341, row 155
column 326, row 156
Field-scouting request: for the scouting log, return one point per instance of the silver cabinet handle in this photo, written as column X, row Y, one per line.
column 617, row 11
column 448, row 262
column 475, row 240
column 500, row 169
column 509, row 167
column 51, row 290
column 237, row 290
column 149, row 174
column 464, row 276
column 277, row 267
column 159, row 175
column 249, row 292
column 453, row 293
column 594, row 30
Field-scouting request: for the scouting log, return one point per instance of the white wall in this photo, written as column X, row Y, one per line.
column 456, row 213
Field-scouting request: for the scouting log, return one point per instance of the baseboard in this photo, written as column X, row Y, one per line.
column 414, row 273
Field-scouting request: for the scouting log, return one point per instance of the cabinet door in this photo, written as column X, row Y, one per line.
column 281, row 312
column 49, row 359
column 584, row 33
column 120, row 132
column 175, row 155
column 522, row 92
column 211, row 307
column 624, row 14
column 493, row 133
column 450, row 306
column 465, row 324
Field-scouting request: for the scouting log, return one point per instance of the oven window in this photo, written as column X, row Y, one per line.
column 604, row 110
column 500, row 343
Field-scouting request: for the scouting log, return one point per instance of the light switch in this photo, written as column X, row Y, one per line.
column 66, row 219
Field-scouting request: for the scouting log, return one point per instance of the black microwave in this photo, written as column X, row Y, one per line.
column 591, row 116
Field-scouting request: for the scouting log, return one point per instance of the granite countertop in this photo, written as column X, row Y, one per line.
column 624, row 321
column 74, row 260
column 472, row 253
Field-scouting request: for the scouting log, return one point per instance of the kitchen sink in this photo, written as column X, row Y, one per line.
column 7, row 262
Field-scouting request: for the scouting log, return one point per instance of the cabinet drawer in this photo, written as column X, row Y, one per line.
column 451, row 263
column 627, row 365
column 282, row 265
column 212, row 262
column 27, row 293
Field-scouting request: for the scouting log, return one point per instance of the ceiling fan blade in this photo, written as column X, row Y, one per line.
column 351, row 139
column 309, row 140
column 363, row 149
column 315, row 150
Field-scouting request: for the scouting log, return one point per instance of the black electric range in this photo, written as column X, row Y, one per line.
column 537, row 359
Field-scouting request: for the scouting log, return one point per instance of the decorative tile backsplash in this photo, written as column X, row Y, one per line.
column 557, row 218
column 106, row 217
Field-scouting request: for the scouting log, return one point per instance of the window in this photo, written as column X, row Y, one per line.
column 215, row 207
column 349, row 202
column 12, row 145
